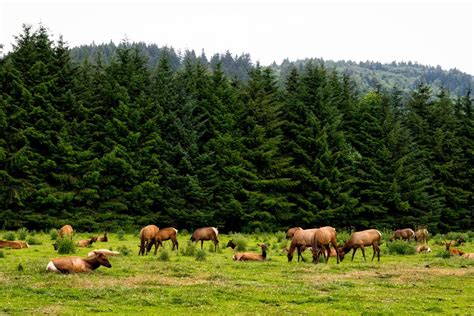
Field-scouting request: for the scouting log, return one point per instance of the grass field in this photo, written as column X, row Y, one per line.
column 408, row 284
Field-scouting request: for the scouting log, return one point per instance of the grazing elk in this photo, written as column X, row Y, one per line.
column 291, row 232
column 231, row 244
column 252, row 256
column 453, row 251
column 206, row 233
column 403, row 234
column 66, row 230
column 148, row 239
column 421, row 235
column 13, row 244
column 370, row 237
column 77, row 265
column 167, row 234
column 300, row 241
column 103, row 238
column 321, row 242
column 86, row 242
column 422, row 248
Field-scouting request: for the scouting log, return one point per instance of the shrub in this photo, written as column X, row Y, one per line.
column 280, row 236
column 22, row 233
column 201, row 255
column 399, row 247
column 20, row 267
column 9, row 236
column 342, row 236
column 53, row 233
column 455, row 235
column 33, row 241
column 189, row 250
column 121, row 235
column 124, row 250
column 164, row 255
column 2, row 254
column 66, row 245
column 443, row 254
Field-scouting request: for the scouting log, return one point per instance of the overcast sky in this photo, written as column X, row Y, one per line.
column 428, row 32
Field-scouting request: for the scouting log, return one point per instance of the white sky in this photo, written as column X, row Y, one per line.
column 429, row 32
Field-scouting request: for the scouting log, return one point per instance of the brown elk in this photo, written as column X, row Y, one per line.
column 422, row 248
column 403, row 234
column 321, row 242
column 86, row 242
column 103, row 238
column 167, row 234
column 453, row 251
column 468, row 255
column 66, row 230
column 13, row 244
column 231, row 244
column 206, row 233
column 291, row 232
column 370, row 237
column 148, row 239
column 300, row 241
column 76, row 265
column 252, row 256
column 421, row 235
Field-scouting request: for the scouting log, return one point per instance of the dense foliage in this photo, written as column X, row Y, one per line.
column 118, row 145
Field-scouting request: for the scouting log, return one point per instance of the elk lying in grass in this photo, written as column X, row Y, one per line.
column 66, row 230
column 104, row 251
column 291, row 232
column 468, row 255
column 300, row 241
column 148, row 239
column 13, row 244
column 86, row 242
column 370, row 237
column 453, row 251
column 403, row 234
column 422, row 248
column 206, row 233
column 252, row 256
column 167, row 234
column 77, row 265
column 103, row 238
column 321, row 242
column 421, row 235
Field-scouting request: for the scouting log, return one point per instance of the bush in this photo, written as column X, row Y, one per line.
column 20, row 267
column 399, row 247
column 9, row 236
column 342, row 236
column 121, row 235
column 22, row 233
column 443, row 254
column 2, row 254
column 189, row 250
column 164, row 255
column 124, row 250
column 53, row 233
column 33, row 241
column 280, row 236
column 201, row 255
column 66, row 245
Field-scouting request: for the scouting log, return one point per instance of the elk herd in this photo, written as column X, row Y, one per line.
column 321, row 241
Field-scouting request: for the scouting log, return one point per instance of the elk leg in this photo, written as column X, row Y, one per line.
column 363, row 252
column 202, row 241
column 337, row 252
column 328, row 253
column 353, row 253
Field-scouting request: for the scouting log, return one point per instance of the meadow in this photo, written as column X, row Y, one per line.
column 192, row 282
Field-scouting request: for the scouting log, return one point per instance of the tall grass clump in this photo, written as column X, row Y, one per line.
column 240, row 241
column 2, row 254
column 22, row 233
column 445, row 254
column 280, row 236
column 33, row 241
column 164, row 255
column 66, row 245
column 121, row 235
column 124, row 250
column 53, row 233
column 189, row 250
column 399, row 247
column 201, row 255
column 9, row 236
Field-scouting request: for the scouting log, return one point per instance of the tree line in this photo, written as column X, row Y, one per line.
column 119, row 145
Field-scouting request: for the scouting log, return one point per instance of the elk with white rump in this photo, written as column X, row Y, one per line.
column 252, row 256
column 321, row 242
column 206, row 233
column 68, row 265
column 403, row 234
column 300, row 241
column 167, row 234
column 370, row 237
column 148, row 239
column 421, row 235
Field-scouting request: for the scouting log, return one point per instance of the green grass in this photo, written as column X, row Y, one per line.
column 147, row 285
